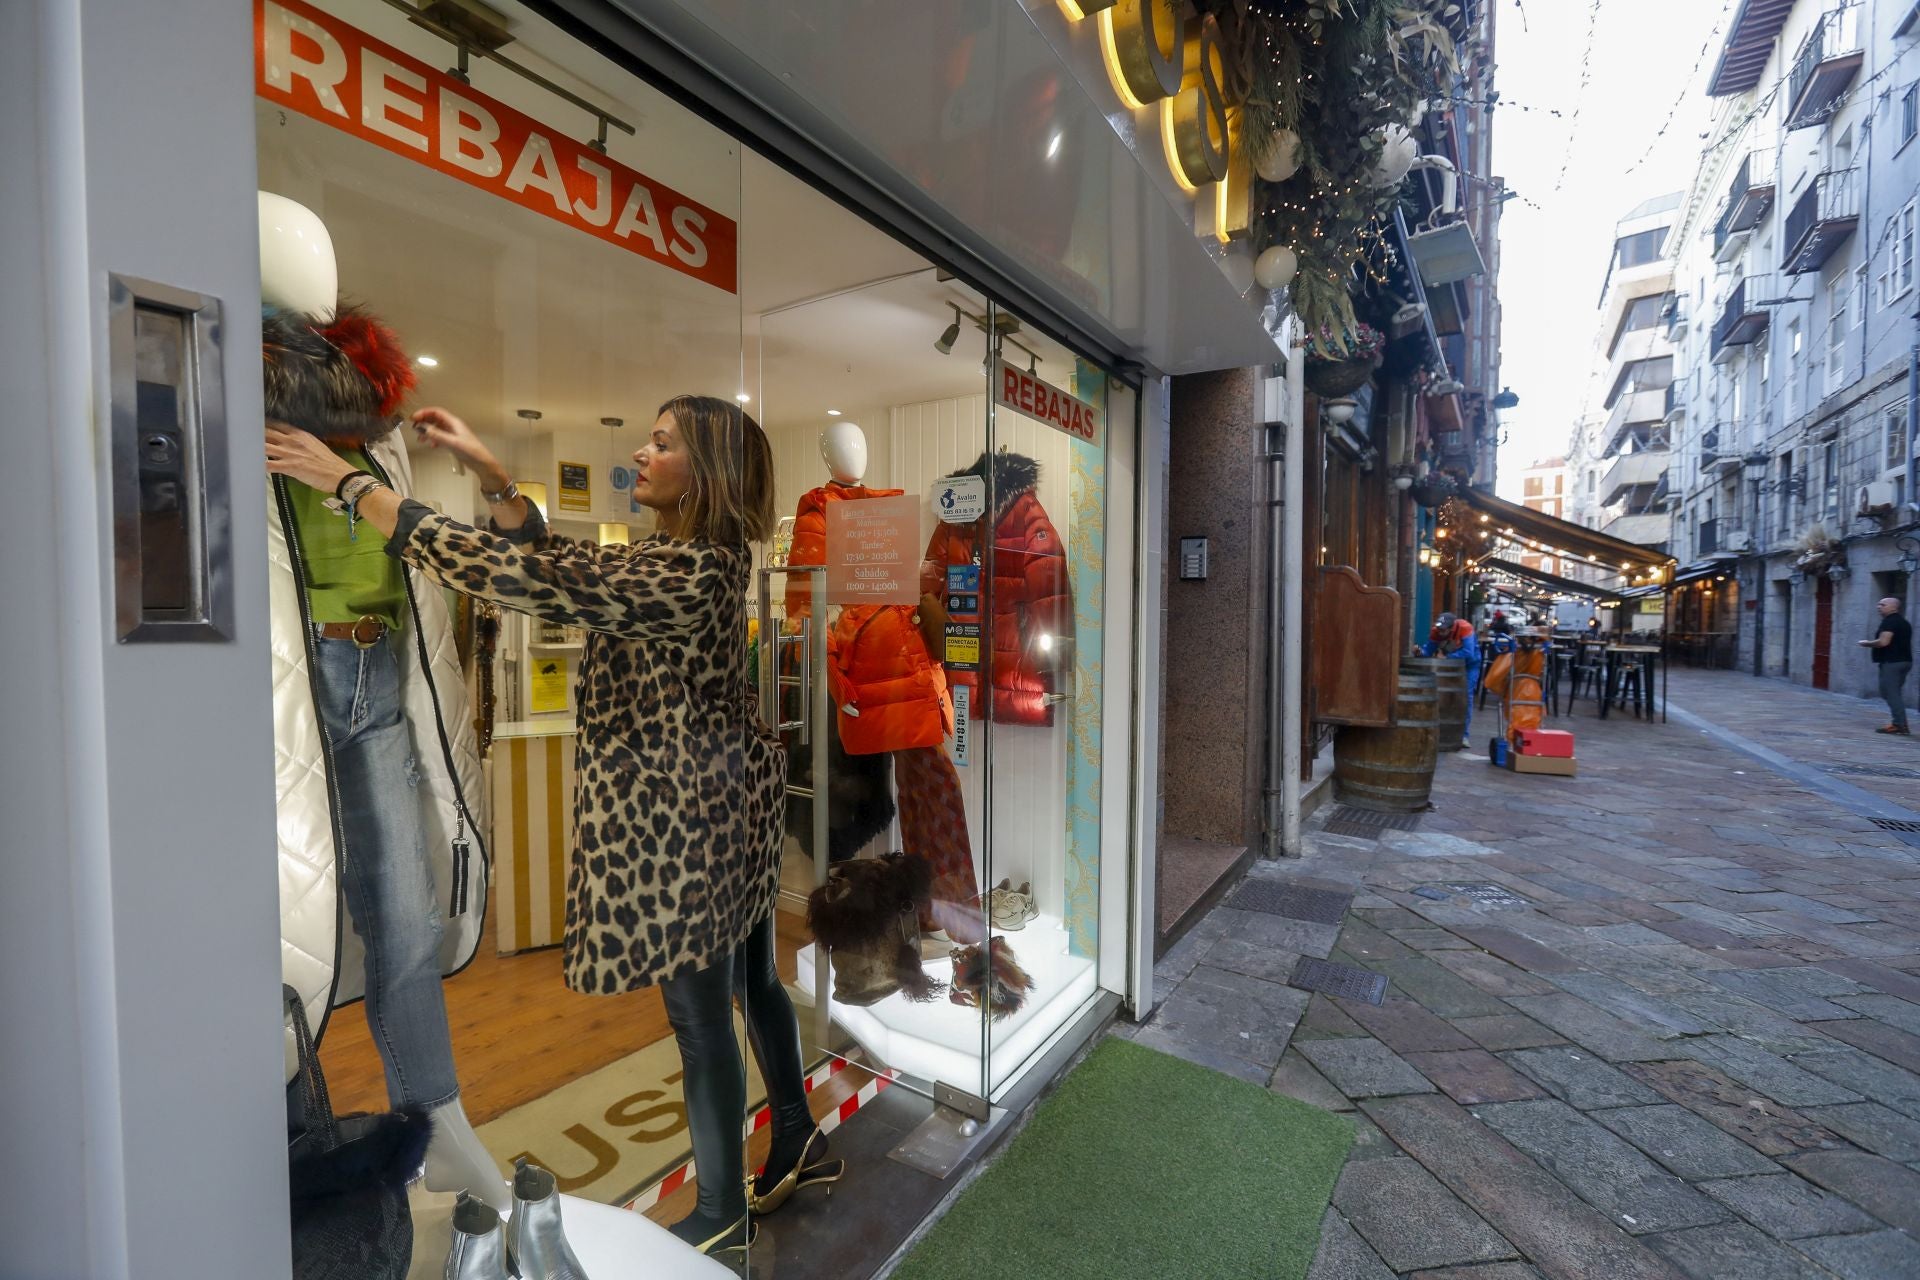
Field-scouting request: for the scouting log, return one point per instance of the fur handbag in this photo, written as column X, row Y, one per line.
column 989, row 976
column 347, row 1177
column 867, row 915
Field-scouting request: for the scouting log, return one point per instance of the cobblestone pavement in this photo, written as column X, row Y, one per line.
column 1658, row 1020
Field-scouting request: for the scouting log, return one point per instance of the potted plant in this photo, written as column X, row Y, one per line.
column 1338, row 364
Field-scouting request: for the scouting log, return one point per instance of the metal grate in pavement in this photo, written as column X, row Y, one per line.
column 1874, row 770
column 1295, row 902
column 1895, row 824
column 1343, row 980
column 1496, row 895
column 1368, row 823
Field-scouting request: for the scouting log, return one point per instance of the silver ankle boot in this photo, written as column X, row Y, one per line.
column 540, row 1248
column 479, row 1249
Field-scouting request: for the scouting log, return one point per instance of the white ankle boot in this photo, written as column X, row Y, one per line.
column 456, row 1161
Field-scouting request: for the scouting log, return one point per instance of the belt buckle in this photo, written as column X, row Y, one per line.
column 367, row 631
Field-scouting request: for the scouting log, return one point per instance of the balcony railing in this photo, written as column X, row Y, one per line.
column 1721, row 536
column 1826, row 64
column 1675, row 398
column 1821, row 220
column 1634, row 471
column 1743, row 318
column 1709, row 449
column 1749, row 197
column 1674, row 311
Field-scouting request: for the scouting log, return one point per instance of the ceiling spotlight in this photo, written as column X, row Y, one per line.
column 426, row 362
column 744, row 398
column 833, row 413
column 1446, row 387
column 615, row 423
column 1409, row 312
column 952, row 335
column 1053, row 144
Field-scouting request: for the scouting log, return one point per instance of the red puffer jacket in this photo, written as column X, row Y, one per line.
column 890, row 695
column 1030, row 599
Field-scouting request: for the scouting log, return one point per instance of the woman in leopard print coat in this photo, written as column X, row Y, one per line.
column 677, row 822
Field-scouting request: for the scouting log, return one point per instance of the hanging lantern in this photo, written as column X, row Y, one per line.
column 1280, row 158
column 1398, row 150
column 1276, row 267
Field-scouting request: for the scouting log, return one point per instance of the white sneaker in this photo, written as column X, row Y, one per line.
column 1011, row 908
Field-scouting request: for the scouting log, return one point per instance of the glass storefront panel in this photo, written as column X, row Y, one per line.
column 561, row 249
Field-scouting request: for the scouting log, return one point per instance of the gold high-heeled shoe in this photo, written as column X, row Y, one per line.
column 818, row 1173
column 713, row 1245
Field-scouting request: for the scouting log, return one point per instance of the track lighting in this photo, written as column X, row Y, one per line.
column 952, row 335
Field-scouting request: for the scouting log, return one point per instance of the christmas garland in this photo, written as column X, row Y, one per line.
column 1330, row 89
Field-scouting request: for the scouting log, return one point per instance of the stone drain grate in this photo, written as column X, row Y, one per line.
column 1344, row 980
column 1895, row 824
column 1295, row 902
column 1346, row 820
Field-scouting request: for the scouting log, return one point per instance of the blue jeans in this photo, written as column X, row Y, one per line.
column 383, row 869
column 1473, row 695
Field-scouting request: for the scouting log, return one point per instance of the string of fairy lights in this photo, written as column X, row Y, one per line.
column 1460, row 533
column 1687, row 84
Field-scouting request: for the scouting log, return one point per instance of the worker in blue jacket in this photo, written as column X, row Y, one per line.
column 1454, row 638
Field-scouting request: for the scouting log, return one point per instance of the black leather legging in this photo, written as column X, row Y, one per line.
column 700, row 1007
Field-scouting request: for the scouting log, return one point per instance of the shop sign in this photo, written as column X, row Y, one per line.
column 1022, row 392
column 319, row 66
column 962, row 724
column 576, row 487
column 1156, row 58
column 873, row 551
column 963, row 592
column 961, row 499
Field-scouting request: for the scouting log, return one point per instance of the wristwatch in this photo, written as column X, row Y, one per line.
column 507, row 494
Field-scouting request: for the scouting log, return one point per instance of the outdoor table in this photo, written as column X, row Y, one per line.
column 1617, row 657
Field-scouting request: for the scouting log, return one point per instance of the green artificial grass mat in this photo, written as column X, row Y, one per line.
column 1142, row 1164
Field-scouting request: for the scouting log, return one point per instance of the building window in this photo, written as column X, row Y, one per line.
column 1639, row 249
column 1830, row 474
column 1860, row 296
column 1794, row 343
column 1836, row 334
column 1532, row 487
column 1782, row 479
column 1591, row 480
column 1641, row 313
column 1909, row 113
column 1894, row 428
column 1896, row 275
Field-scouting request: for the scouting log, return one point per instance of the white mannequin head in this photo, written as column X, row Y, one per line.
column 297, row 268
column 844, row 447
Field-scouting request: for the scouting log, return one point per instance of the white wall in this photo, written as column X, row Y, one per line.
column 139, row 920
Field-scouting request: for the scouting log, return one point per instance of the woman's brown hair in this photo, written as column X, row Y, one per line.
column 731, row 496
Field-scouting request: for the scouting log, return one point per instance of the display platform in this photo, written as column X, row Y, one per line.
column 939, row 1040
column 611, row 1243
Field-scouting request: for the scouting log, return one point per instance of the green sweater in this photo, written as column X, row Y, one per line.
column 347, row 578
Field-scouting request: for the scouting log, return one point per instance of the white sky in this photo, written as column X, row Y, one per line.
column 1554, row 258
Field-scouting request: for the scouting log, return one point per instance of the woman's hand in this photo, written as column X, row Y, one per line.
column 439, row 429
column 301, row 456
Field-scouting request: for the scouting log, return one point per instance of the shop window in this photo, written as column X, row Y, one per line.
column 939, row 568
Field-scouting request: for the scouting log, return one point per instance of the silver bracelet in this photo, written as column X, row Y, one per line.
column 507, row 494
column 358, row 486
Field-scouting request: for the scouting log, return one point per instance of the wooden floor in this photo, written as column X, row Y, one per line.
column 519, row 1034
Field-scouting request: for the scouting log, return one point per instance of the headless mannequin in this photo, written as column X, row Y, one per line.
column 927, row 790
column 298, row 274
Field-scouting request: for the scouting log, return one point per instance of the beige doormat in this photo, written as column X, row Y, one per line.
column 614, row 1132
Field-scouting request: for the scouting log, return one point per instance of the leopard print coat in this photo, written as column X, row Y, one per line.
column 677, row 816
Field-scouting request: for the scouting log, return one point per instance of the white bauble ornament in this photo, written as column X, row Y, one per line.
column 1280, row 158
column 1275, row 267
column 1398, row 151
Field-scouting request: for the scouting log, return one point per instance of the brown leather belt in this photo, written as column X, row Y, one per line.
column 367, row 632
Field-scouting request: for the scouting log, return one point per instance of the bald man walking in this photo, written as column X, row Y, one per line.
column 1893, row 654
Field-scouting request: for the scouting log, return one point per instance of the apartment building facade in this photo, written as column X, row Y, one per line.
column 1791, row 324
column 1617, row 459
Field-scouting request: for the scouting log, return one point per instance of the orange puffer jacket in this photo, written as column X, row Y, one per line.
column 1030, row 599
column 890, row 695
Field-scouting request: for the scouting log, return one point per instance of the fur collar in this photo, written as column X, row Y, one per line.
column 341, row 381
column 1014, row 475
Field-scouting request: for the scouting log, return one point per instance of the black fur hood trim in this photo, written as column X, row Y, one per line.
column 865, row 898
column 315, row 386
column 1014, row 474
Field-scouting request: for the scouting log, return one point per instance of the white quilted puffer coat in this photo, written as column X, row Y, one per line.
column 320, row 956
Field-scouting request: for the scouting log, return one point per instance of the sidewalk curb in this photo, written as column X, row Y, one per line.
column 1862, row 801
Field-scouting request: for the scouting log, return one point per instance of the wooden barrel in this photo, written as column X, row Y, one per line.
column 1450, row 696
column 1391, row 770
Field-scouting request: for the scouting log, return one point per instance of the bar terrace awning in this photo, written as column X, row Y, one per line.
column 1551, row 581
column 1604, row 550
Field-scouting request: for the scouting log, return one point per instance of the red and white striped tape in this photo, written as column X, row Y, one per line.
column 763, row 1117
